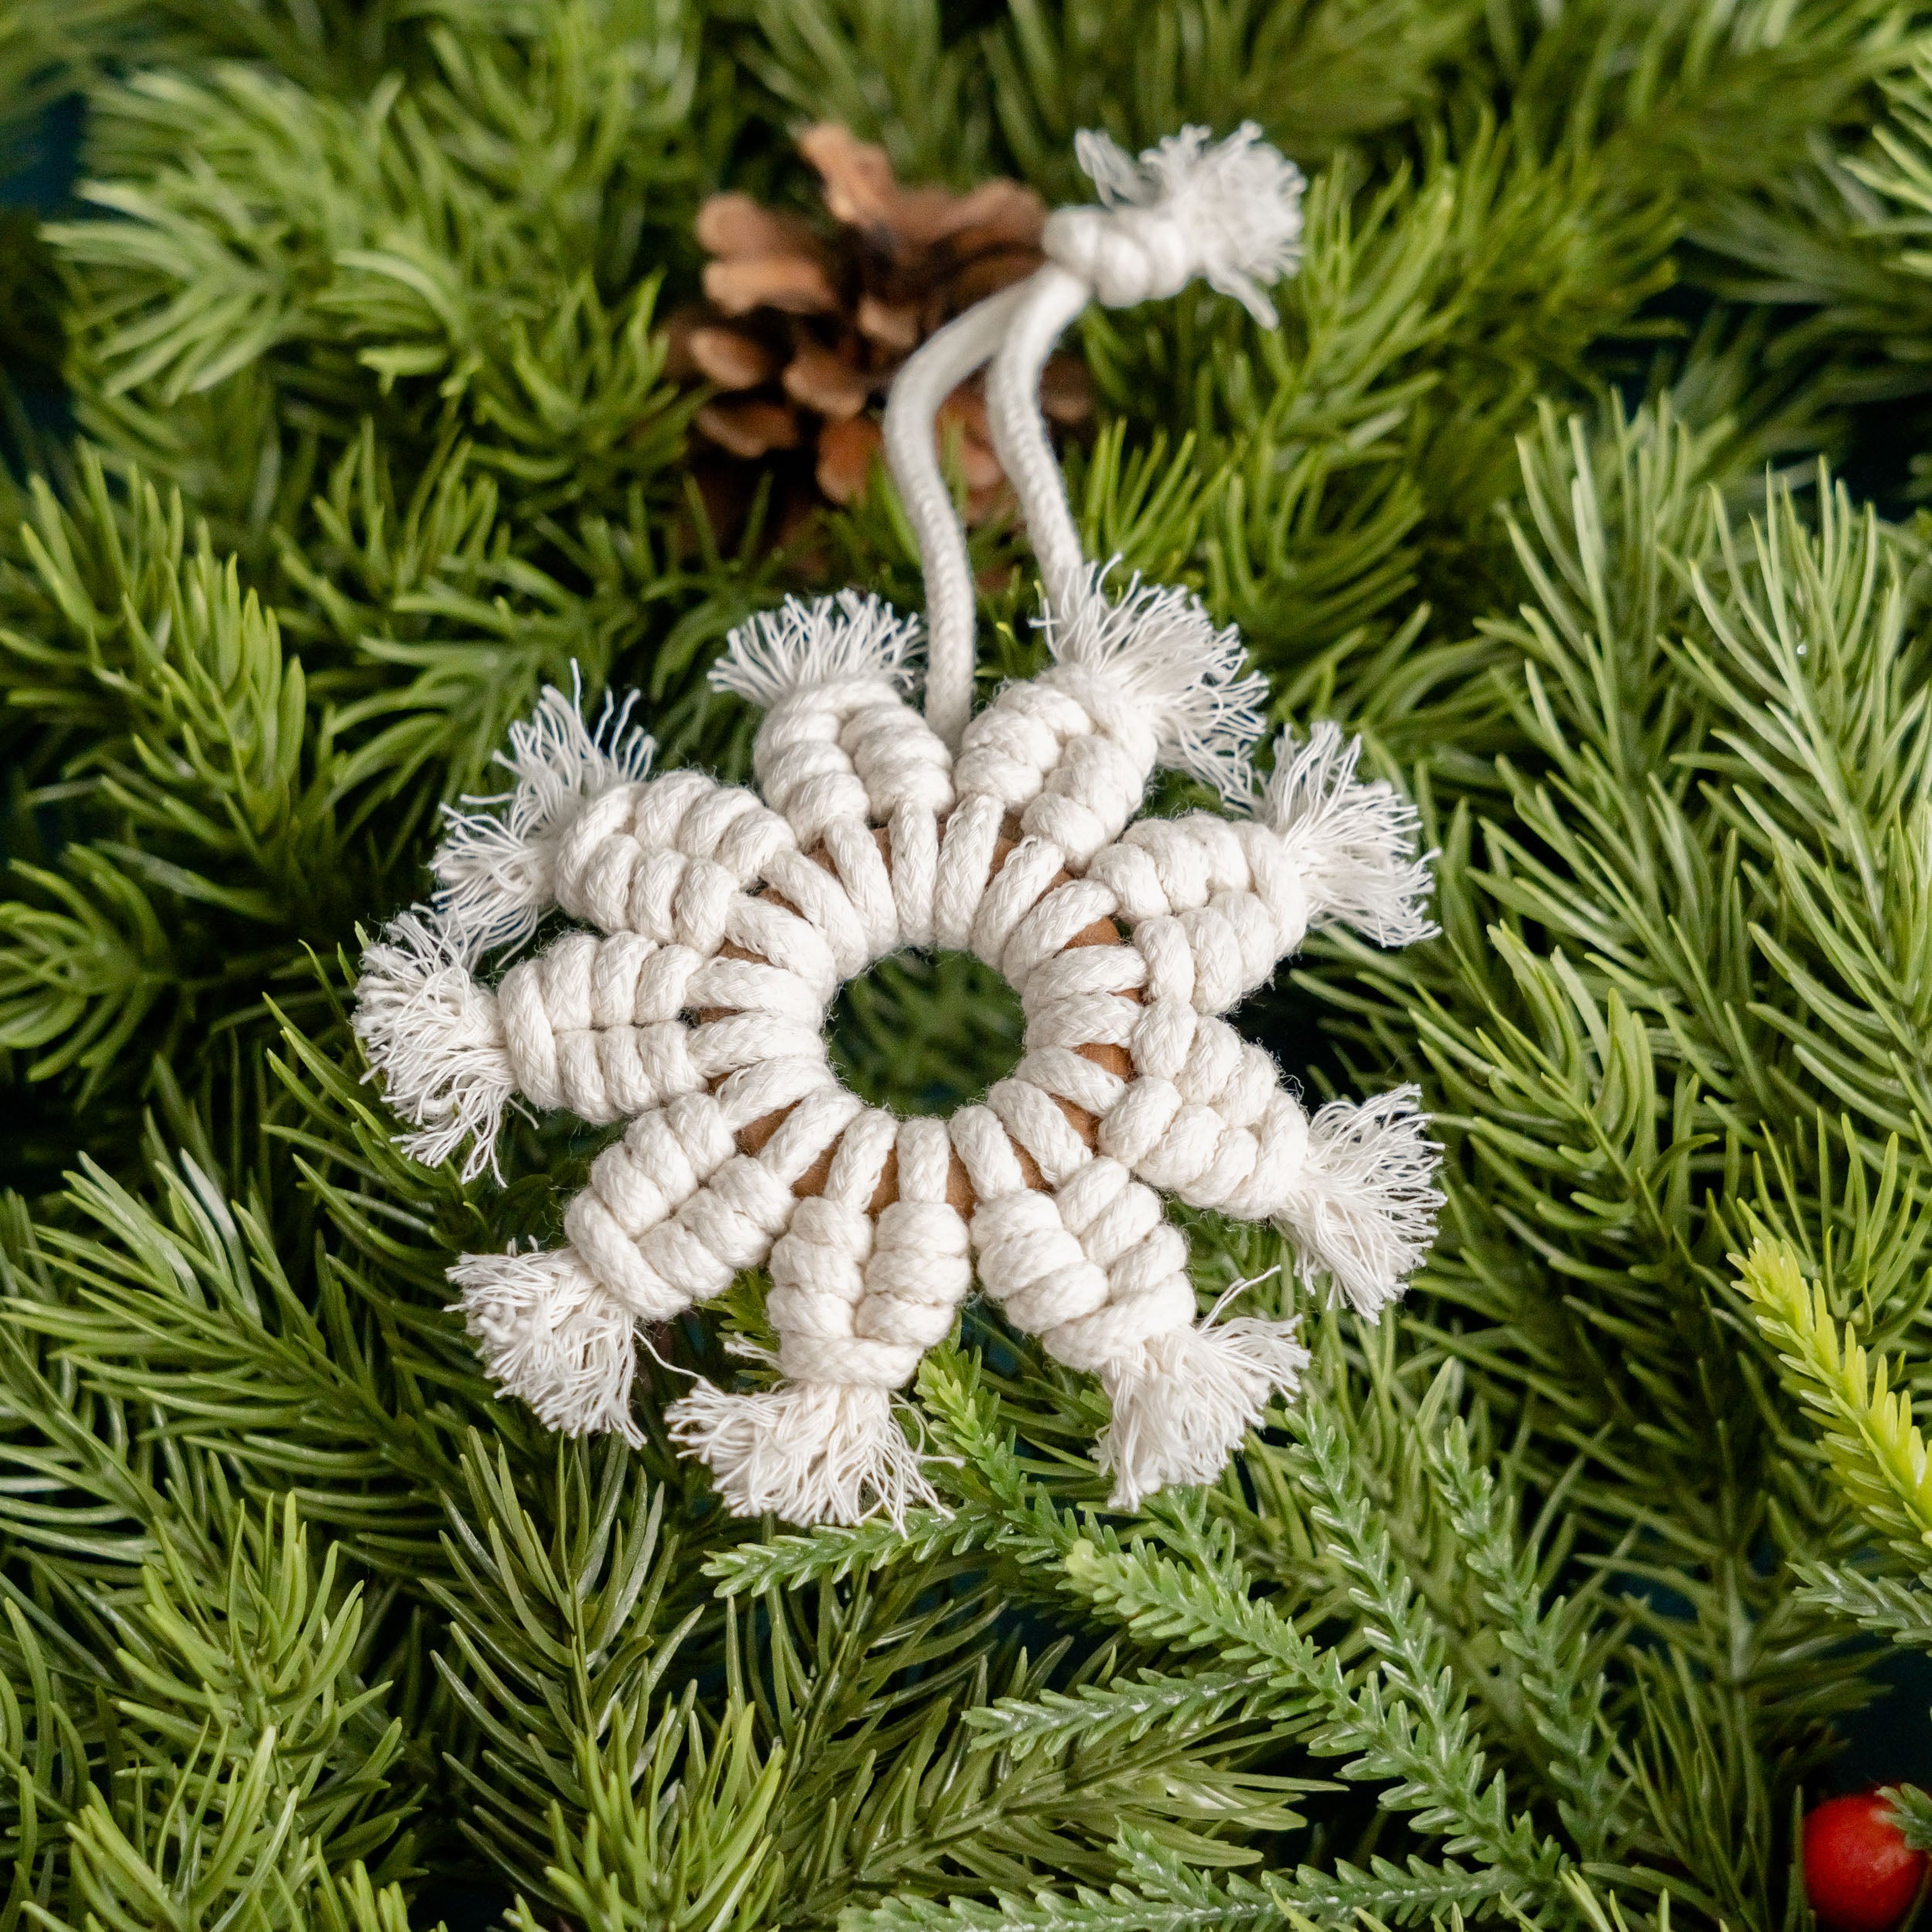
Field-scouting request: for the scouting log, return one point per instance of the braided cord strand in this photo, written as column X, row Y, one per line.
column 945, row 359
column 1127, row 1084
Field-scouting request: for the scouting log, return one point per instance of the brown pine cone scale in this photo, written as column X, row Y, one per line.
column 804, row 330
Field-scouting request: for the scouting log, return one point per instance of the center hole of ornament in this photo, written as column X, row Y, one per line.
column 924, row 1033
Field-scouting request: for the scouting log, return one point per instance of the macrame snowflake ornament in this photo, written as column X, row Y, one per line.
column 723, row 921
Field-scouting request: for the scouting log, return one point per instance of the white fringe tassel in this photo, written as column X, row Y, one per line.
column 1355, row 840
column 1238, row 203
column 1364, row 1207
column 1159, row 645
column 498, row 871
column 550, row 1333
column 1184, row 1401
column 806, row 1452
column 436, row 1039
column 800, row 646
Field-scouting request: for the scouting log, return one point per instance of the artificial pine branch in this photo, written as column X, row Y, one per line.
column 1878, row 1455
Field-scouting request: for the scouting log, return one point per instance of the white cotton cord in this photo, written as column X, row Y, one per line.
column 664, row 858
column 727, row 918
column 436, row 1039
column 1361, row 1209
column 1013, row 747
column 592, row 1024
column 919, row 1272
column 1157, row 643
column 551, row 1334
column 1352, row 842
column 1100, row 1275
column 1214, row 907
column 1233, row 1292
column 940, row 363
column 856, row 1300
column 805, row 1452
column 800, row 645
column 838, row 741
column 1184, row 1401
column 1214, row 904
column 1208, row 1119
column 1230, row 214
column 1137, row 681
column 1054, row 297
column 497, row 871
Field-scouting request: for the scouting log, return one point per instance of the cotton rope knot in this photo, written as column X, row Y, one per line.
column 1230, row 214
column 497, row 873
column 716, row 923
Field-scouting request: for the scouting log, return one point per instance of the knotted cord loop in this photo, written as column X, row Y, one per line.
column 1229, row 214
column 726, row 919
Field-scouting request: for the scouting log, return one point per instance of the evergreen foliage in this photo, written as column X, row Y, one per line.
column 1546, row 1600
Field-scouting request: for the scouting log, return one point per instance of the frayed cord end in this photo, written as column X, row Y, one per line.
column 1183, row 1402
column 1354, row 840
column 1362, row 1210
column 805, row 1452
column 1230, row 212
column 436, row 1039
column 552, row 1335
column 800, row 646
column 497, row 871
column 1157, row 642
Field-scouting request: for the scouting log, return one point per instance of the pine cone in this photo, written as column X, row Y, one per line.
column 802, row 330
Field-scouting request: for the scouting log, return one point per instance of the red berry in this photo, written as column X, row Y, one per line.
column 1859, row 1873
